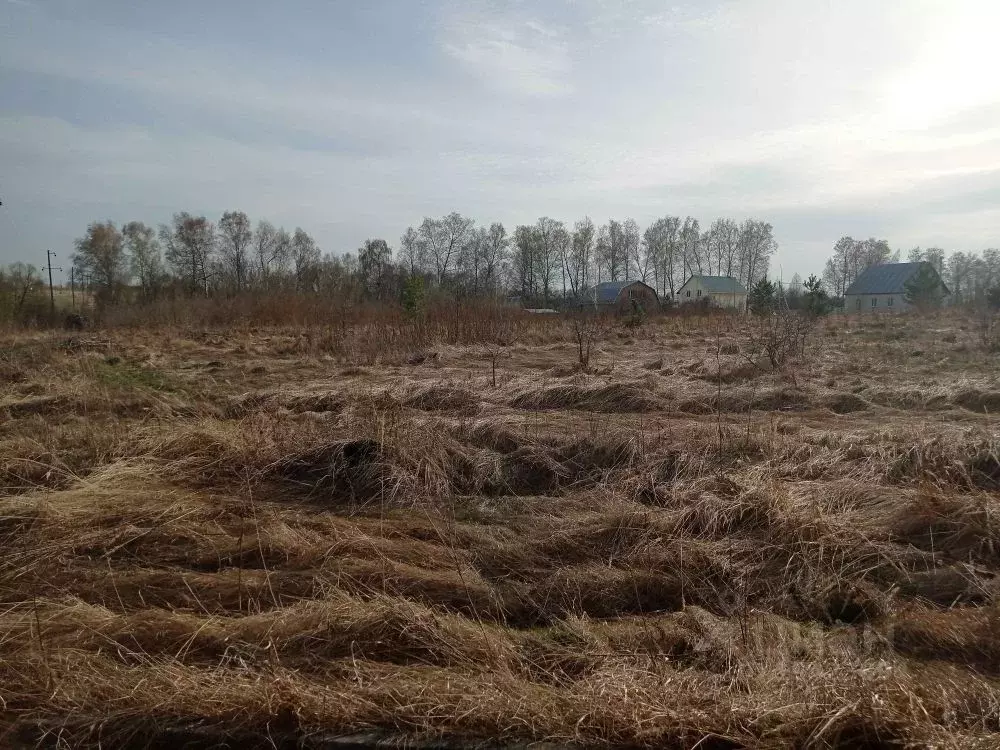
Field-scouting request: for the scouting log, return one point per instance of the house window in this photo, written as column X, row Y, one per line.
column 687, row 293
column 889, row 302
column 699, row 292
column 874, row 301
column 859, row 303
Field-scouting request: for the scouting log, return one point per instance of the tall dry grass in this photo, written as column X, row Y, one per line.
column 219, row 537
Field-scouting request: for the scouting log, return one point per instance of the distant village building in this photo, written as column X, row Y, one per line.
column 621, row 296
column 720, row 291
column 883, row 288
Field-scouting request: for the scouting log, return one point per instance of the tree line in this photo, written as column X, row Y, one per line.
column 969, row 276
column 544, row 262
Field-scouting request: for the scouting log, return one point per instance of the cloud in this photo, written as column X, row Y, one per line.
column 518, row 55
column 763, row 108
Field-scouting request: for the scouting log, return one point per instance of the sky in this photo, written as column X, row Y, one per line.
column 357, row 118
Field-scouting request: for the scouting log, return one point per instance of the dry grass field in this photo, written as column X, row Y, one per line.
column 299, row 538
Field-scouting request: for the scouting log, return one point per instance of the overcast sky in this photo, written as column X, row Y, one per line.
column 355, row 119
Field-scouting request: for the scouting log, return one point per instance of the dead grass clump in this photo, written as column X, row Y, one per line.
column 739, row 372
column 223, row 592
column 962, row 527
column 984, row 467
column 703, row 513
column 908, row 399
column 491, row 434
column 546, row 468
column 359, row 470
column 332, row 403
column 296, row 402
column 743, row 399
column 532, row 471
column 973, row 399
column 377, row 628
column 25, row 465
column 412, row 462
column 441, row 398
column 950, row 586
column 43, row 405
column 845, row 403
column 11, row 373
column 849, row 604
column 597, row 591
column 615, row 397
column 590, row 459
column 962, row 635
column 772, row 399
column 454, row 588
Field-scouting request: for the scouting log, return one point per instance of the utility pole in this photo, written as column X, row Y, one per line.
column 49, row 255
column 72, row 285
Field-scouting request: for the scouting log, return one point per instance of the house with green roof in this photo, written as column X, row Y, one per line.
column 883, row 288
column 719, row 291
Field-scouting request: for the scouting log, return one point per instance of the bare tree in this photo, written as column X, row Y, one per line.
column 547, row 256
column 612, row 250
column 523, row 263
column 640, row 255
column 690, row 241
column 143, row 251
column 270, row 249
column 562, row 242
column 100, row 257
column 374, row 259
column 235, row 241
column 662, row 244
column 960, row 268
column 756, row 246
column 581, row 256
column 851, row 258
column 20, row 279
column 586, row 327
column 444, row 238
column 495, row 249
column 189, row 243
column 724, row 246
column 305, row 259
column 411, row 250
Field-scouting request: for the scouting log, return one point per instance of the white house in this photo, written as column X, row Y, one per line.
column 720, row 291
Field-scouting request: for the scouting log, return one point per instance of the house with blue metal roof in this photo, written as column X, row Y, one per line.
column 719, row 291
column 883, row 288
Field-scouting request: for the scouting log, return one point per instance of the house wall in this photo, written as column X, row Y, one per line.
column 692, row 291
column 694, row 286
column 735, row 301
column 884, row 303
